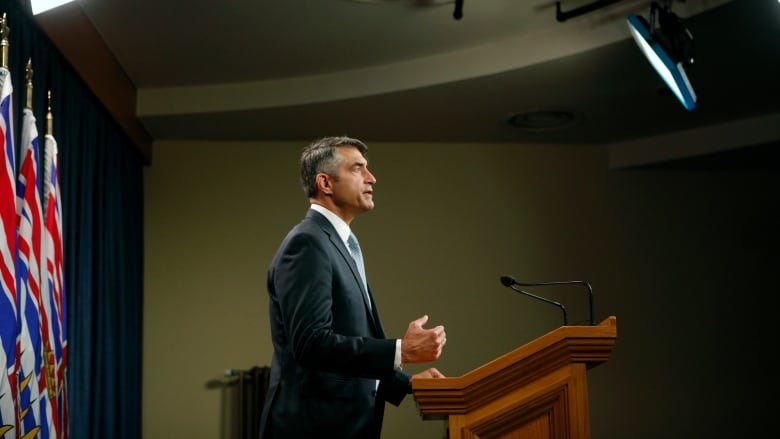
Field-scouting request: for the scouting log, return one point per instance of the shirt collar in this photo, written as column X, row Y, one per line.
column 341, row 227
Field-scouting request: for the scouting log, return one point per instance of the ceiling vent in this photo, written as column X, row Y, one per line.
column 544, row 119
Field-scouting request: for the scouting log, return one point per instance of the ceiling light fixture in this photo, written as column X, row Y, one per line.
column 669, row 48
column 458, row 12
column 39, row 6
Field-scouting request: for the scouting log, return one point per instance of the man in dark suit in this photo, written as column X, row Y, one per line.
column 333, row 369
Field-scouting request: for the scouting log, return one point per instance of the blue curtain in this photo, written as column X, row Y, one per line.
column 102, row 202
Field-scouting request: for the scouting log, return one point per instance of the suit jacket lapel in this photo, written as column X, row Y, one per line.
column 334, row 238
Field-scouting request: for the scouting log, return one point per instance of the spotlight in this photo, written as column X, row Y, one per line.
column 669, row 49
column 39, row 6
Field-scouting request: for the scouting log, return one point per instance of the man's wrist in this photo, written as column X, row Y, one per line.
column 397, row 363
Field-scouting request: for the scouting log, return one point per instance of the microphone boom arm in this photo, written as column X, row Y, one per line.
column 558, row 304
column 566, row 282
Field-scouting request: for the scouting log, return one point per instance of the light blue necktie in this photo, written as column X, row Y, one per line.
column 357, row 255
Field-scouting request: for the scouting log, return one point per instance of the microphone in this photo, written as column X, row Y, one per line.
column 508, row 281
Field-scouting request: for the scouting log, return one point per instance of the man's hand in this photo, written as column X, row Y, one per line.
column 420, row 345
column 430, row 373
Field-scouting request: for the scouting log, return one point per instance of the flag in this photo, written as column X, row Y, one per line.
column 7, row 404
column 33, row 399
column 55, row 286
column 9, row 322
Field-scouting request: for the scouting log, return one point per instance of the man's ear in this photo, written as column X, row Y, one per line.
column 324, row 183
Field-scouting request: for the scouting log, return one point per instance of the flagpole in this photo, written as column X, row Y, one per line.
column 4, row 30
column 29, row 75
column 48, row 153
column 49, row 116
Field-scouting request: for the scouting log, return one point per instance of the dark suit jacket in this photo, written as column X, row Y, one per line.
column 329, row 346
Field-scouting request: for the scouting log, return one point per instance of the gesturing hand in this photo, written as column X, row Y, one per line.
column 420, row 345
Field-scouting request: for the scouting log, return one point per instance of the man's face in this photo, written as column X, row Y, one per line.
column 353, row 191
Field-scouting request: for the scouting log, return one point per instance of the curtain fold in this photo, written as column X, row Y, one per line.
column 101, row 179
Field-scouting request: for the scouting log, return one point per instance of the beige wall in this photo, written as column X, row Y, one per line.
column 682, row 258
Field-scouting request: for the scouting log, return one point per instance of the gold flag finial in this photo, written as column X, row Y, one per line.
column 4, row 31
column 29, row 73
column 49, row 117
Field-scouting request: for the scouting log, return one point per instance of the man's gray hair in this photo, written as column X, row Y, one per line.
column 320, row 156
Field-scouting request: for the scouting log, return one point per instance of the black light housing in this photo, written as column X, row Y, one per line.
column 669, row 48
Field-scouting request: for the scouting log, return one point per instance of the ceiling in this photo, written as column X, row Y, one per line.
column 407, row 70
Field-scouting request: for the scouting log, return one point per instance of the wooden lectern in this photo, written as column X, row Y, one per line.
column 537, row 391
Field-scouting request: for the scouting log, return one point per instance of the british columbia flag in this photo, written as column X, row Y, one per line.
column 9, row 327
column 32, row 402
column 55, row 289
